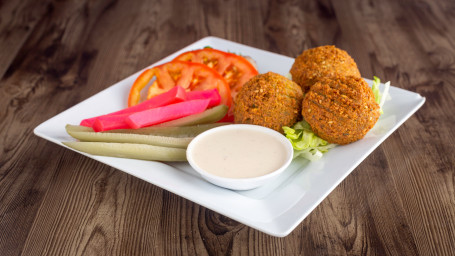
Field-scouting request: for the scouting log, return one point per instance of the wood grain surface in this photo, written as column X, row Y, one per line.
column 53, row 54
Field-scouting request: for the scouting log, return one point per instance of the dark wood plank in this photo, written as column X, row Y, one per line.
column 36, row 87
column 404, row 68
column 18, row 20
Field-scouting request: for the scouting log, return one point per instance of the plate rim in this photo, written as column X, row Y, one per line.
column 271, row 228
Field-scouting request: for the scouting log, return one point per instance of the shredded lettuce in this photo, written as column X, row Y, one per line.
column 375, row 88
column 288, row 76
column 306, row 144
column 378, row 96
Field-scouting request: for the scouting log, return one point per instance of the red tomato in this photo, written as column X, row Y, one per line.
column 234, row 68
column 190, row 76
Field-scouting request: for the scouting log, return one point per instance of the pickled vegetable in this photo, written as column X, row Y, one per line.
column 212, row 115
column 179, row 132
column 176, row 94
column 167, row 113
column 130, row 150
column 132, row 138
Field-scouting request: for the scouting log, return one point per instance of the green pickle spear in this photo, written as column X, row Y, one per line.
column 212, row 115
column 163, row 141
column 184, row 131
column 129, row 150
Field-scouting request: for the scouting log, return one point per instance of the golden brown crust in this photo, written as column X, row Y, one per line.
column 269, row 100
column 324, row 61
column 340, row 109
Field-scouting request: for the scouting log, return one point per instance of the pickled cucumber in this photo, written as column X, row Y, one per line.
column 132, row 138
column 184, row 131
column 212, row 115
column 130, row 150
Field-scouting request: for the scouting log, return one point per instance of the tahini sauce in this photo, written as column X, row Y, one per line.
column 239, row 153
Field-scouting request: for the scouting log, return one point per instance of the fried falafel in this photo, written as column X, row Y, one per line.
column 323, row 61
column 269, row 100
column 340, row 109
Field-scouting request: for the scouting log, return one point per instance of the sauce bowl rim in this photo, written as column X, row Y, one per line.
column 266, row 130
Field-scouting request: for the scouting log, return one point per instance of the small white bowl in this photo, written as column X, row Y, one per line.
column 241, row 183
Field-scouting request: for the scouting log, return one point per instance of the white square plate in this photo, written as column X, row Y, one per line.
column 276, row 208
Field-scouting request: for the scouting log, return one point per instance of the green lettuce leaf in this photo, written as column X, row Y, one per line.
column 306, row 144
column 375, row 89
column 378, row 96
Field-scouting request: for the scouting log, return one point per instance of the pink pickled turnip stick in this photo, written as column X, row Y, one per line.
column 174, row 95
column 167, row 113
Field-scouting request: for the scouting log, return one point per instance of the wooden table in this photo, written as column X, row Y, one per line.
column 54, row 54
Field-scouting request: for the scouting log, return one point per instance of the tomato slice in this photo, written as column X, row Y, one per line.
column 190, row 76
column 234, row 68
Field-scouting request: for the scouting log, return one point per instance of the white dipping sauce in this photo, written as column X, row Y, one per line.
column 240, row 153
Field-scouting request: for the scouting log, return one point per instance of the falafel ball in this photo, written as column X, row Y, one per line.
column 323, row 61
column 269, row 100
column 340, row 109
